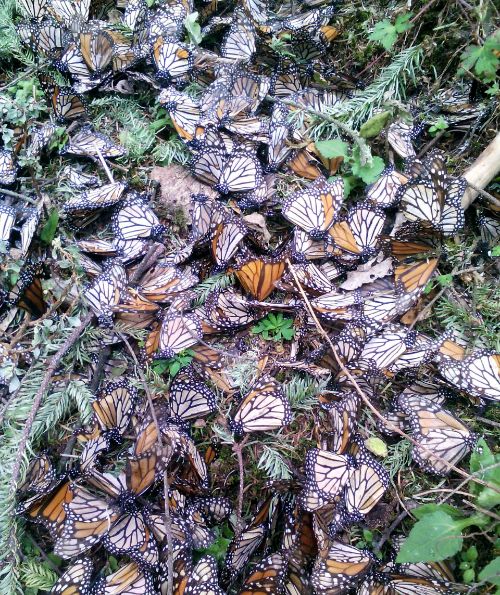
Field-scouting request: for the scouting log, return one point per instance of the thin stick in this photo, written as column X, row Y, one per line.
column 54, row 362
column 168, row 519
column 105, row 167
column 151, row 257
column 238, row 451
column 391, row 426
column 480, row 191
column 32, row 201
column 25, row 74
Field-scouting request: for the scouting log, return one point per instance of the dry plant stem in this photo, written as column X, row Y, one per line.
column 54, row 362
column 365, row 399
column 485, row 194
column 151, row 257
column 168, row 519
column 238, row 451
column 105, row 167
column 32, row 201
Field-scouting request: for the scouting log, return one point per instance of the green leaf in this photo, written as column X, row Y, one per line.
column 49, row 229
column 402, row 23
column 433, row 538
column 368, row 173
column 333, row 148
column 491, row 572
column 174, row 368
column 288, row 333
column 375, row 125
column 483, row 60
column 495, row 251
column 425, row 509
column 385, row 33
column 444, row 280
column 193, row 28
column 482, row 464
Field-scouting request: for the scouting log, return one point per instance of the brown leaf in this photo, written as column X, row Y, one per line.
column 366, row 273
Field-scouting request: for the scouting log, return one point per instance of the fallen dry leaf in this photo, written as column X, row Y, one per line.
column 257, row 222
column 366, row 273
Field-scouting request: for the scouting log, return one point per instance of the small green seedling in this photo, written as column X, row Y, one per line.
column 275, row 327
column 173, row 365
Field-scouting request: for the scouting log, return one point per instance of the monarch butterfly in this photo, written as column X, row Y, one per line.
column 135, row 219
column 135, row 14
column 258, row 274
column 279, row 131
column 78, row 178
column 226, row 238
column 326, row 474
column 76, row 580
column 364, row 488
column 114, row 407
column 34, row 9
column 335, row 306
column 66, row 104
column 190, row 397
column 241, row 548
column 47, row 506
column 8, row 167
column 310, row 277
column 384, row 192
column 201, row 216
column 257, row 10
column 97, row 48
column 438, row 432
column 184, row 112
column 267, row 577
column 97, row 246
column 382, row 584
column 7, row 220
column 385, row 348
column 105, row 292
column 173, row 59
column 130, row 579
column 265, row 407
column 314, row 209
column 239, row 43
column 28, row 293
column 71, row 12
column 342, row 418
column 226, row 310
column 215, row 508
column 400, row 136
column 40, row 137
column 178, row 332
column 238, row 172
column 304, row 165
column 163, row 283
column 98, row 198
column 88, row 142
column 305, row 248
column 359, row 235
column 340, row 568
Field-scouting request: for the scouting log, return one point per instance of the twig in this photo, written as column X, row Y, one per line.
column 489, row 422
column 391, row 426
column 151, row 257
column 32, row 201
column 422, row 11
column 168, row 519
column 55, row 360
column 431, row 143
column 101, row 361
column 388, row 532
column 481, row 192
column 25, row 74
column 105, row 167
column 238, row 451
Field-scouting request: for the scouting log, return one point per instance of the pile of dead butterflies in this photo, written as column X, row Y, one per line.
column 137, row 460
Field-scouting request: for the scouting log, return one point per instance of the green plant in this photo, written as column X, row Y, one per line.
column 437, row 126
column 483, row 60
column 275, row 327
column 193, row 28
column 353, row 168
column 387, row 33
column 174, row 364
column 438, row 533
